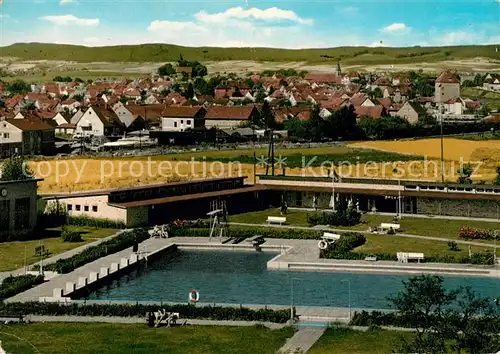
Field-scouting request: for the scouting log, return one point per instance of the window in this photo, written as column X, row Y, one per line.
column 6, row 135
column 77, row 207
column 70, row 207
column 22, row 213
column 94, row 208
column 182, row 121
column 188, row 122
column 86, row 208
column 175, row 124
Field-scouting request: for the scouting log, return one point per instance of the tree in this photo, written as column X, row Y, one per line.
column 199, row 70
column 296, row 128
column 166, row 70
column 342, row 123
column 16, row 168
column 78, row 97
column 473, row 328
column 456, row 319
column 422, row 304
column 17, row 87
column 316, row 125
column 465, row 173
column 497, row 179
column 2, row 104
column 260, row 95
column 266, row 117
column 78, row 80
column 189, row 92
column 377, row 93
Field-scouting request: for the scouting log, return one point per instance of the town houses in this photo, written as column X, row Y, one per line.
column 40, row 115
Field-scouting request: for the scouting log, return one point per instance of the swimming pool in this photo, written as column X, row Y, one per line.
column 236, row 277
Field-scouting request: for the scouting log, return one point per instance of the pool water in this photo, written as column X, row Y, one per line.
column 235, row 277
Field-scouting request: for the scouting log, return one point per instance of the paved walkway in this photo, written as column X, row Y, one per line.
column 432, row 238
column 302, row 340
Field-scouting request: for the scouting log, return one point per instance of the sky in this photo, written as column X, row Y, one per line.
column 248, row 23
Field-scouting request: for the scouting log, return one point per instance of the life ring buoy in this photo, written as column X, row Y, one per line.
column 322, row 244
column 194, row 296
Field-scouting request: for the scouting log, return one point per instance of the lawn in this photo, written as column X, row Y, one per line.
column 62, row 338
column 13, row 254
column 344, row 340
column 435, row 227
column 394, row 244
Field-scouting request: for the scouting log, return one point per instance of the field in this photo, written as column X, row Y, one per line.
column 483, row 154
column 13, row 254
column 344, row 340
column 38, row 62
column 63, row 338
column 65, row 175
column 434, row 227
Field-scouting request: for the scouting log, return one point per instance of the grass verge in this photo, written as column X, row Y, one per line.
column 62, row 338
column 345, row 340
column 13, row 255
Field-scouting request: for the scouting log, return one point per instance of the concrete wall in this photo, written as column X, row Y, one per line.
column 90, row 117
column 467, row 208
column 176, row 124
column 104, row 211
column 223, row 123
column 446, row 92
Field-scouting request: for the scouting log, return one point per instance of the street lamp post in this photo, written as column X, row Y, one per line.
column 349, row 285
column 292, row 280
column 495, row 236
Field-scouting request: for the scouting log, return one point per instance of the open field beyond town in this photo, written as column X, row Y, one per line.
column 14, row 254
column 35, row 62
column 397, row 159
column 62, row 338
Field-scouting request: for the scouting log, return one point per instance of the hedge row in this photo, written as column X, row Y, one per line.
column 11, row 286
column 243, row 232
column 139, row 310
column 124, row 240
column 94, row 222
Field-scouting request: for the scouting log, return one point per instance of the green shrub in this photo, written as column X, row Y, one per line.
column 140, row 310
column 15, row 285
column 244, row 232
column 348, row 217
column 70, row 235
column 124, row 240
column 94, row 222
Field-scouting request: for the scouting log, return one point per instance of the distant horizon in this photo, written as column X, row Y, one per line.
column 247, row 24
column 253, row 47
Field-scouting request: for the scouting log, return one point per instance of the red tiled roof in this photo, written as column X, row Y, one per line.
column 181, row 112
column 30, row 124
column 241, row 113
column 67, row 125
column 448, row 77
column 385, row 102
column 184, row 69
column 324, row 78
column 373, row 111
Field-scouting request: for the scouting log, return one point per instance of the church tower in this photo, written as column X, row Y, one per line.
column 338, row 72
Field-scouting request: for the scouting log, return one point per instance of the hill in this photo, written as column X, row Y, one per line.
column 166, row 52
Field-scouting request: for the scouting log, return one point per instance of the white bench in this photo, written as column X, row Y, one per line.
column 405, row 257
column 276, row 220
column 387, row 226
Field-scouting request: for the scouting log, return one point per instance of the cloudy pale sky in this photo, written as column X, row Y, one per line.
column 284, row 24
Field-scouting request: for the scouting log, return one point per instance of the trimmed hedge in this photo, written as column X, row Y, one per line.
column 238, row 231
column 94, row 222
column 139, row 310
column 125, row 240
column 11, row 286
column 341, row 249
column 348, row 217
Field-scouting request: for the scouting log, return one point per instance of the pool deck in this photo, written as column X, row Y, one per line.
column 293, row 255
